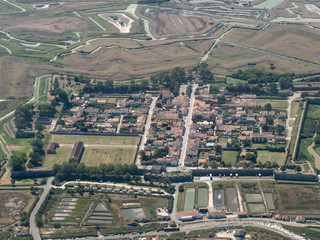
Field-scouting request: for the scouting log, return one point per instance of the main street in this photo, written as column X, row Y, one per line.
column 146, row 129
column 268, row 224
column 33, row 225
column 187, row 122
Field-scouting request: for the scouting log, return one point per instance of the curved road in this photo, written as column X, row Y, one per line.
column 33, row 226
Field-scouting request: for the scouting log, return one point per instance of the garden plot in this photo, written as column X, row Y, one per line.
column 232, row 202
column 100, row 215
column 219, row 199
column 65, row 208
column 119, row 20
column 270, row 202
column 256, row 207
column 253, row 198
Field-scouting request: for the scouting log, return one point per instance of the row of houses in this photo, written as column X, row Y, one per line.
column 164, row 139
column 221, row 125
column 127, row 115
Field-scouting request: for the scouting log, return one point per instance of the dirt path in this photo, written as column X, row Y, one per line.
column 239, row 197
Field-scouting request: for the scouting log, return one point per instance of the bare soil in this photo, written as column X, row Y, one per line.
column 14, row 203
column 53, row 25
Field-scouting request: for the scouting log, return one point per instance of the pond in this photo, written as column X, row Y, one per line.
column 132, row 213
column 269, row 4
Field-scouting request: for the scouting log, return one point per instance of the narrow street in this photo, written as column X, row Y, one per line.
column 33, row 225
column 120, row 123
column 146, row 129
column 188, row 122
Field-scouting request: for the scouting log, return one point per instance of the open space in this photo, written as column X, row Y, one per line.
column 230, row 157
column 14, row 202
column 99, row 140
column 94, row 156
column 264, row 156
column 301, row 198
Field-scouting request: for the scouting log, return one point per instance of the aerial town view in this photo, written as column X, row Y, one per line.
column 160, row 119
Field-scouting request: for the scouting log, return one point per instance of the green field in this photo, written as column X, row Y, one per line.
column 101, row 140
column 256, row 207
column 59, row 158
column 43, row 88
column 313, row 111
column 265, row 156
column 229, row 157
column 294, row 109
column 94, row 156
column 202, row 197
column 281, row 105
column 189, row 200
column 253, row 197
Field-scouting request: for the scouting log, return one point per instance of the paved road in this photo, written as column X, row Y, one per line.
column 146, row 128
column 188, row 122
column 116, row 185
column 99, row 145
column 210, row 202
column 33, row 226
column 269, row 224
column 120, row 123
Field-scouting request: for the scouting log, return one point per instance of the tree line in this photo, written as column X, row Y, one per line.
column 105, row 172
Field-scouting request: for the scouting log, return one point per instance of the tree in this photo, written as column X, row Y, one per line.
column 205, row 75
column 39, row 127
column 221, row 100
column 297, row 169
column 317, row 139
column 181, row 188
column 283, row 168
column 23, row 116
column 17, row 161
column 251, row 157
column 279, row 129
column 13, row 182
column 268, row 107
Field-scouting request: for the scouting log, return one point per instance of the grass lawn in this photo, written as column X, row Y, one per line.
column 281, row 105
column 265, row 156
column 94, row 156
column 43, row 87
column 112, row 100
column 230, row 157
column 313, row 111
column 103, row 140
column 59, row 158
column 8, row 106
column 234, row 80
column 294, row 109
column 303, row 153
column 223, row 140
